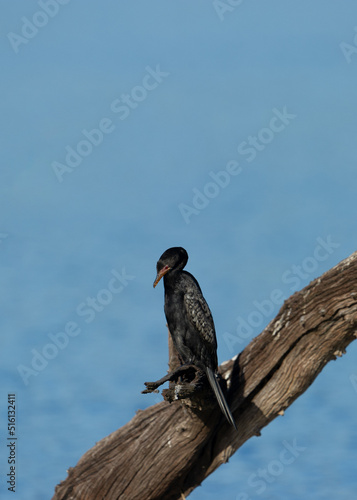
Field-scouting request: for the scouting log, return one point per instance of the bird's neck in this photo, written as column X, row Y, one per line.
column 172, row 278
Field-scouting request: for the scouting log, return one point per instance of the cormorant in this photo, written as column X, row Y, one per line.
column 190, row 320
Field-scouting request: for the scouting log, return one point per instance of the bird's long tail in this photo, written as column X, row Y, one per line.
column 220, row 396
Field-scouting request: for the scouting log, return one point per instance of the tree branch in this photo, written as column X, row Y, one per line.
column 167, row 450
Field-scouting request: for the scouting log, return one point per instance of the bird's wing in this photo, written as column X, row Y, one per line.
column 200, row 315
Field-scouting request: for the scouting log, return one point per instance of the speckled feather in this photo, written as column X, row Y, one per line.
column 199, row 313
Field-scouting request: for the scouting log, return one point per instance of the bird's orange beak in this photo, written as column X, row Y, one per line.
column 160, row 274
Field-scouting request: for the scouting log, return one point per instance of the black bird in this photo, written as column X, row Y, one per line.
column 190, row 320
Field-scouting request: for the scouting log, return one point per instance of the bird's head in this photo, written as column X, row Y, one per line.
column 173, row 259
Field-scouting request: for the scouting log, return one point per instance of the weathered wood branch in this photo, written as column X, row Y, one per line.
column 167, row 450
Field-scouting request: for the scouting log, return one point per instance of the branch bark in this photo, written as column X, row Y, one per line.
column 167, row 450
